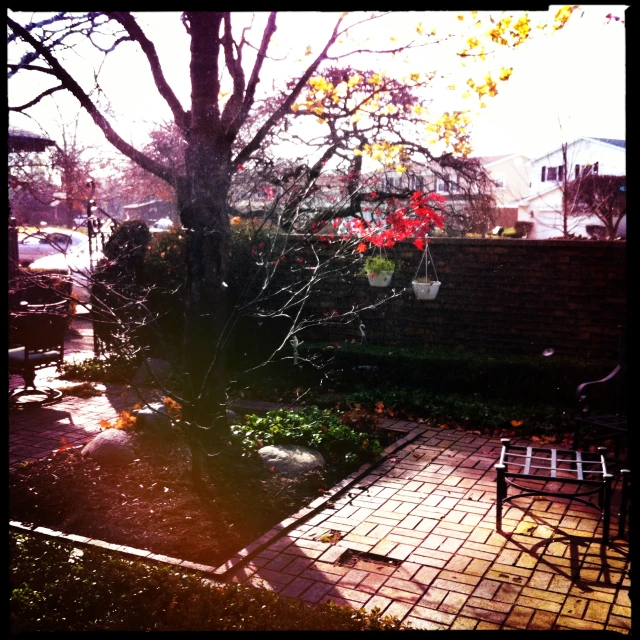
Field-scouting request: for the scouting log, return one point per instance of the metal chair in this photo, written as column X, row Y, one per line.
column 594, row 425
column 36, row 341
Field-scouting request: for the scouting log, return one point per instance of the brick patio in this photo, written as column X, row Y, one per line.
column 430, row 507
column 420, row 528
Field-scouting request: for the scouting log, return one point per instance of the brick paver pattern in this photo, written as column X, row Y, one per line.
column 430, row 512
column 427, row 514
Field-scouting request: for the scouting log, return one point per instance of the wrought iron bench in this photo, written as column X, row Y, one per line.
column 36, row 341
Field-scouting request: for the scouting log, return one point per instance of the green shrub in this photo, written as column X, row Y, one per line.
column 112, row 368
column 466, row 409
column 537, row 379
column 311, row 427
column 128, row 243
column 58, row 587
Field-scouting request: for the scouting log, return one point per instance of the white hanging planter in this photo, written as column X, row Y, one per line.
column 425, row 287
column 379, row 269
column 425, row 290
column 382, row 279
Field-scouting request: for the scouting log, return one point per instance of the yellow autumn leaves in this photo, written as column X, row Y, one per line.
column 451, row 128
column 127, row 419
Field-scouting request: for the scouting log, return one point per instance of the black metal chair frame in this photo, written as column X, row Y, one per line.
column 610, row 426
column 36, row 341
column 588, row 470
column 624, row 501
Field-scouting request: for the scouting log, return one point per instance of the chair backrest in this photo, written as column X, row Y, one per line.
column 39, row 330
column 609, row 391
column 61, row 307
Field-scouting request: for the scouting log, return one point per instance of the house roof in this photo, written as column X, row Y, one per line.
column 144, row 204
column 622, row 144
column 491, row 159
column 617, row 143
column 23, row 140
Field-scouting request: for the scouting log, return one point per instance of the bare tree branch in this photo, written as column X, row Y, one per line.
column 234, row 67
column 255, row 73
column 289, row 100
column 73, row 87
column 29, row 67
column 37, row 99
column 133, row 28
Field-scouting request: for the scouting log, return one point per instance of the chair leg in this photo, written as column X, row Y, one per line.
column 577, row 439
column 29, row 377
column 501, row 493
column 606, row 510
column 624, row 498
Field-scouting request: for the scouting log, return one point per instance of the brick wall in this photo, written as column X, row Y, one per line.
column 503, row 296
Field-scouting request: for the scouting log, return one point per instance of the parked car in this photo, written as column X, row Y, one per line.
column 164, row 224
column 45, row 242
column 76, row 263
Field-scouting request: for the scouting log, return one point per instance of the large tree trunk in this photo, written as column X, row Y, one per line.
column 203, row 212
column 202, row 199
column 70, row 212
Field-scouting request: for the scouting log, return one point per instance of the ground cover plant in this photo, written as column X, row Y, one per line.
column 112, row 367
column 87, row 589
column 311, row 427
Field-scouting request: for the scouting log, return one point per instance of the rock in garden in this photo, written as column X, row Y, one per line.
column 112, row 446
column 161, row 369
column 154, row 420
column 290, row 458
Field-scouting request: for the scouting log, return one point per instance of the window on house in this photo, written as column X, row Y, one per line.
column 393, row 182
column 453, row 187
column 596, row 168
column 441, row 185
column 552, row 174
column 577, row 170
column 416, row 182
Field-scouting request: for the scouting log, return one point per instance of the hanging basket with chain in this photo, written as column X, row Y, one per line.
column 425, row 287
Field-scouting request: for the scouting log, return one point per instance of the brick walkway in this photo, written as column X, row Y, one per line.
column 35, row 433
column 414, row 535
column 427, row 516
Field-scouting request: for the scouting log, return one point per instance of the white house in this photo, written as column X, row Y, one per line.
column 544, row 205
column 511, row 175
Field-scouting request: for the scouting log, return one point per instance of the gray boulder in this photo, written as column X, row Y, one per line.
column 161, row 369
column 154, row 420
column 290, row 458
column 111, row 447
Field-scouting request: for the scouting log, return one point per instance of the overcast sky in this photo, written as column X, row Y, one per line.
column 574, row 79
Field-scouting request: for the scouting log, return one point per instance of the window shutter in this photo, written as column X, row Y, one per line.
column 577, row 170
column 544, row 174
column 561, row 172
column 596, row 168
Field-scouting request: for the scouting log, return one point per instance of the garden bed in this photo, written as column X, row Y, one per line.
column 151, row 503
